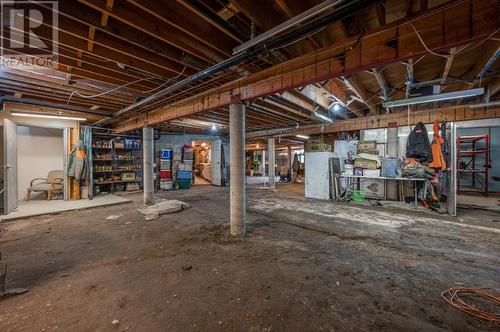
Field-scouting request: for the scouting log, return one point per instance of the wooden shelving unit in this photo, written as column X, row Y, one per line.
column 111, row 160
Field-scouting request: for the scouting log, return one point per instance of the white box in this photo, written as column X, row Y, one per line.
column 317, row 175
column 372, row 173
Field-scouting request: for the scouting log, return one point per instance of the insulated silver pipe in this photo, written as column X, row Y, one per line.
column 237, row 185
column 148, row 156
column 290, row 24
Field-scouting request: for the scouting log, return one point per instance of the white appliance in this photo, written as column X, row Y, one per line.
column 317, row 175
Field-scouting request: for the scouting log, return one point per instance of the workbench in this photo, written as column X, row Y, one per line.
column 359, row 178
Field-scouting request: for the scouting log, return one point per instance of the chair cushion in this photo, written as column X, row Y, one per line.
column 45, row 187
column 55, row 174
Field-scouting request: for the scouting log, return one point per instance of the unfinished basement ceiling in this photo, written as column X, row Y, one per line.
column 136, row 48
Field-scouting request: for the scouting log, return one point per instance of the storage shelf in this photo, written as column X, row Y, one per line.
column 471, row 150
column 119, row 171
column 471, row 171
column 113, row 157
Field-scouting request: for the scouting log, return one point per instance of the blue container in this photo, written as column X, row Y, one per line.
column 390, row 167
column 184, row 175
column 166, row 154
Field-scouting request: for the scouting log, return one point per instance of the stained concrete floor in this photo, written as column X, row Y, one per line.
column 39, row 207
column 305, row 265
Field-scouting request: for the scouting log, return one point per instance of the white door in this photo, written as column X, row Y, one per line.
column 216, row 158
column 10, row 165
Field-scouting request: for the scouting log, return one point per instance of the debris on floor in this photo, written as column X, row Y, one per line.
column 113, row 217
column 154, row 212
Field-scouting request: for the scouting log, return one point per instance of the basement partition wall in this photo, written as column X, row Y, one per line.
column 39, row 150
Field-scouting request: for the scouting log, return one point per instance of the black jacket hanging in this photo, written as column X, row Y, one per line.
column 418, row 145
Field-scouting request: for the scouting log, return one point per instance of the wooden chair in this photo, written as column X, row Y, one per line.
column 54, row 183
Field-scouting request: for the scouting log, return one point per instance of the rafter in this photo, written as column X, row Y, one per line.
column 333, row 86
column 157, row 29
column 352, row 83
column 447, row 65
column 339, row 60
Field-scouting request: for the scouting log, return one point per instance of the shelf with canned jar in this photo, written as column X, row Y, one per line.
column 116, row 163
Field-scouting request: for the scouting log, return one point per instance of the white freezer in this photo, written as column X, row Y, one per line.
column 317, row 175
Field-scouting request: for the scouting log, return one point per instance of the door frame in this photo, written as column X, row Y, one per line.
column 486, row 123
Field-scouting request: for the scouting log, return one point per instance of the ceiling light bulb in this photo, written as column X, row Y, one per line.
column 336, row 107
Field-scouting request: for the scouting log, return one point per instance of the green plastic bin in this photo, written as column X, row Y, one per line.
column 358, row 195
column 184, row 183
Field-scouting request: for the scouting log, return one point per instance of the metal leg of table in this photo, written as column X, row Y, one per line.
column 416, row 193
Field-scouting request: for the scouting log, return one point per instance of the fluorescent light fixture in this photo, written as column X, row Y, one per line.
column 302, row 136
column 48, row 116
column 434, row 98
column 322, row 117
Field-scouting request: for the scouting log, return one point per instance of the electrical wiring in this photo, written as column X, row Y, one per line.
column 425, row 45
column 457, row 298
column 124, row 86
column 108, row 91
column 168, row 81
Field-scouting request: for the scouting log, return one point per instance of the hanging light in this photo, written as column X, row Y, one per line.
column 214, row 127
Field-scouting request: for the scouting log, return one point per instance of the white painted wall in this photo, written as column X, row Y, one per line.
column 39, row 150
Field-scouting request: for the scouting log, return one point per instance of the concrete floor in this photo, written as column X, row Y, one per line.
column 492, row 202
column 39, row 207
column 305, row 265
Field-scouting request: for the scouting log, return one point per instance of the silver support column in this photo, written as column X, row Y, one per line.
column 272, row 171
column 148, row 157
column 237, row 186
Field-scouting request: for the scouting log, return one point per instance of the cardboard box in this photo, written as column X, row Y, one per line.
column 364, row 146
column 318, row 147
column 373, row 152
column 315, row 140
column 365, row 164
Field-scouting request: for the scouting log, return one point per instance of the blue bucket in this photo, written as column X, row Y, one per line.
column 184, row 174
column 166, row 154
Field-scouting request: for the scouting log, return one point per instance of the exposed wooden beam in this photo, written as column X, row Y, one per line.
column 460, row 113
column 199, row 30
column 379, row 76
column 353, row 84
column 111, row 47
column 381, row 15
column 290, row 14
column 90, row 46
column 213, row 18
column 427, row 116
column 447, row 65
column 424, row 4
column 341, row 59
column 333, row 86
column 157, row 29
column 105, row 16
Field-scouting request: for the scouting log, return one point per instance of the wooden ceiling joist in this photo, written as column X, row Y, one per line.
column 158, row 29
column 392, row 43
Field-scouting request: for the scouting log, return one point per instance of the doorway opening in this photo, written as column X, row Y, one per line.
column 33, row 160
column 478, row 166
column 202, row 162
